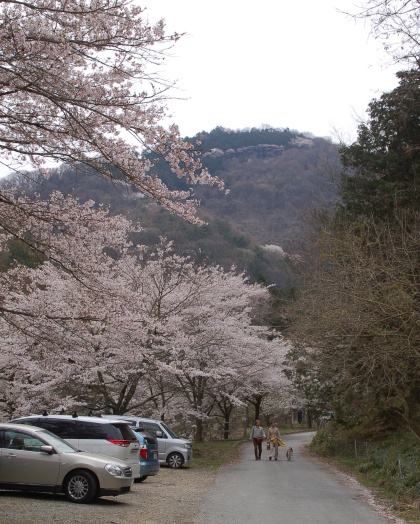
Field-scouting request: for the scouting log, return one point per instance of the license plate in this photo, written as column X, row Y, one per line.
column 154, row 455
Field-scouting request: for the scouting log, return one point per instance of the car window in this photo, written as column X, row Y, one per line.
column 169, row 431
column 148, row 437
column 63, row 428
column 94, row 430
column 21, row 441
column 123, row 431
column 150, row 426
column 57, row 442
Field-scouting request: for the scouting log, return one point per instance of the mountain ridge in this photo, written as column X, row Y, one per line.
column 256, row 226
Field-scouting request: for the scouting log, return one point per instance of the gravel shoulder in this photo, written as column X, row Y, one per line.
column 172, row 496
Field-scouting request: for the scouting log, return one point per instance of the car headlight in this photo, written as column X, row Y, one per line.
column 114, row 470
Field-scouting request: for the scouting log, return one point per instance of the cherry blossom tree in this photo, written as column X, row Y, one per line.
column 55, row 312
column 80, row 85
column 260, row 367
column 100, row 322
column 155, row 331
column 217, row 348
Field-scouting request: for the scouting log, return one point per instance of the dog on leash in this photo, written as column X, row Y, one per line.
column 289, row 454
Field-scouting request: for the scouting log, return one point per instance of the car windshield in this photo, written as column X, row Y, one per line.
column 169, row 431
column 57, row 442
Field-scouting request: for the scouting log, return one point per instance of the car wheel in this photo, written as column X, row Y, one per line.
column 142, row 478
column 81, row 487
column 175, row 460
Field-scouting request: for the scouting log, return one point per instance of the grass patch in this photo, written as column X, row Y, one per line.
column 212, row 454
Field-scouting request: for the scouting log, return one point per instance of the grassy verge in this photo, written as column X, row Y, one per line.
column 391, row 466
column 213, row 454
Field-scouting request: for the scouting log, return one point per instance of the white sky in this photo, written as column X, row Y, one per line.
column 287, row 63
column 283, row 63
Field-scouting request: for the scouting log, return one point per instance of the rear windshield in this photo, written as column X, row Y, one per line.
column 124, row 431
column 111, row 431
column 148, row 437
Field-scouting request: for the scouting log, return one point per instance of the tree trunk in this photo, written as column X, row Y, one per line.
column 258, row 402
column 309, row 418
column 226, row 427
column 198, row 429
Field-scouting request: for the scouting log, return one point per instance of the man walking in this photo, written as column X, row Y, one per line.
column 273, row 437
column 257, row 436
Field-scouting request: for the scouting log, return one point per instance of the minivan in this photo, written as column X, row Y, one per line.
column 173, row 450
column 114, row 438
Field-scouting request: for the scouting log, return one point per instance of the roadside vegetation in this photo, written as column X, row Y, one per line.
column 390, row 464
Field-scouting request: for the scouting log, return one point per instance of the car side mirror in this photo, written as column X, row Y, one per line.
column 47, row 449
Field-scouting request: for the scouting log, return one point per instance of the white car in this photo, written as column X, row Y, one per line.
column 33, row 459
column 93, row 434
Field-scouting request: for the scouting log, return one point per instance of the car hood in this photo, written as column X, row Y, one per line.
column 93, row 459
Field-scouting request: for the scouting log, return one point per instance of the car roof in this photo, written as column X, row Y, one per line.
column 132, row 417
column 82, row 418
column 10, row 425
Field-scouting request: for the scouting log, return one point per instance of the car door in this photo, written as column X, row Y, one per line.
column 22, row 461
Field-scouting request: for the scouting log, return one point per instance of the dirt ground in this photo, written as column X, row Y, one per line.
column 172, row 496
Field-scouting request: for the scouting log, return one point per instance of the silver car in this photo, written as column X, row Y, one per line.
column 33, row 459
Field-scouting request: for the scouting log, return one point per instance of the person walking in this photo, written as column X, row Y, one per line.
column 257, row 437
column 273, row 437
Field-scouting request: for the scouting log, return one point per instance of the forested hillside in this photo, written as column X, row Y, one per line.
column 271, row 176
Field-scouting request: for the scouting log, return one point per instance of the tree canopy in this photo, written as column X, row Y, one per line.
column 80, row 85
column 383, row 165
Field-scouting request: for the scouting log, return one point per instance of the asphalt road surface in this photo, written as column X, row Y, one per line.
column 283, row 492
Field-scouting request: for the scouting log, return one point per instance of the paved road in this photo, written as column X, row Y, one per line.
column 282, row 492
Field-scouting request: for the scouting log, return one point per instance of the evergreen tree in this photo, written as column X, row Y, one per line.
column 382, row 168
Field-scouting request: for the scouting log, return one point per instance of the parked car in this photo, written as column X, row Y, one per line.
column 33, row 459
column 173, row 450
column 149, row 460
column 114, row 438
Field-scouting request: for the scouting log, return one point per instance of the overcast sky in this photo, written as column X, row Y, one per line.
column 286, row 63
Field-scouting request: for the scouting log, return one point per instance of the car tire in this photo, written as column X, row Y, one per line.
column 175, row 460
column 80, row 487
column 141, row 479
